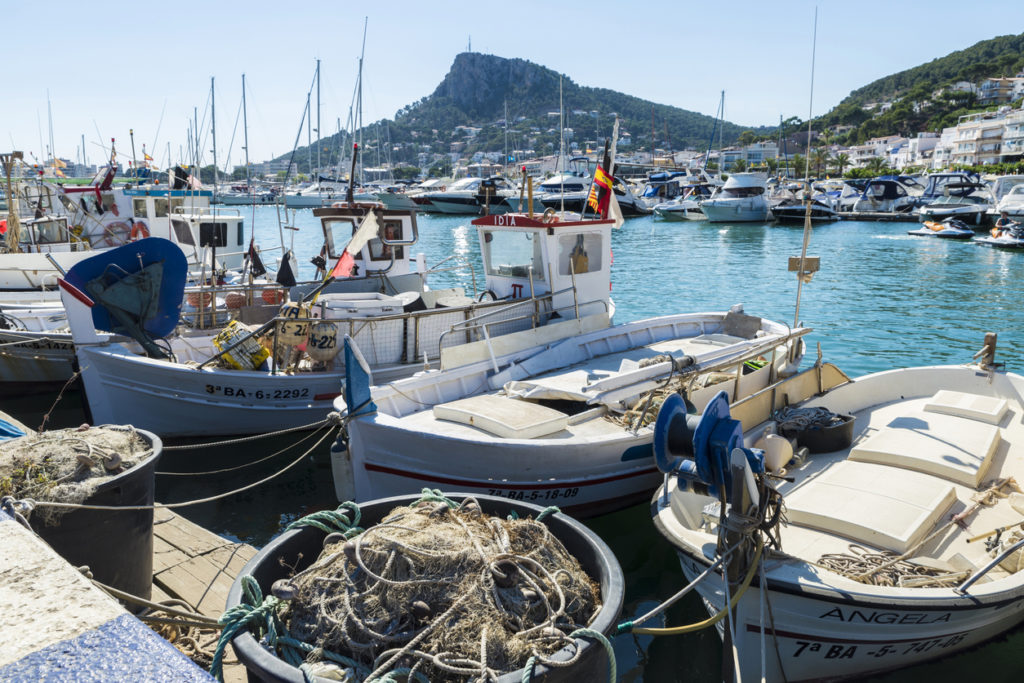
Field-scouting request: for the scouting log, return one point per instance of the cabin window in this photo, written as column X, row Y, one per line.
column 183, row 232
column 337, row 233
column 580, row 253
column 160, row 207
column 139, row 207
column 241, row 233
column 49, row 232
column 511, row 254
column 213, row 235
column 379, row 251
column 176, row 203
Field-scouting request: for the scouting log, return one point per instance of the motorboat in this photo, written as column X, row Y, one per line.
column 951, row 228
column 565, row 422
column 575, row 200
column 685, row 207
column 1013, row 202
column 740, row 200
column 970, row 202
column 848, row 193
column 470, row 196
column 940, row 185
column 793, row 208
column 315, row 195
column 397, row 197
column 889, row 535
column 885, row 195
column 243, row 195
column 192, row 384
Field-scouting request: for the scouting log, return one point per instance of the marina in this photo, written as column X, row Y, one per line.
column 892, row 276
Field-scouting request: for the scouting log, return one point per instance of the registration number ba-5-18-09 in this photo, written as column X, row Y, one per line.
column 546, row 494
column 258, row 394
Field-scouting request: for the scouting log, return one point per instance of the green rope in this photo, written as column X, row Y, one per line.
column 332, row 521
column 528, row 669
column 624, row 627
column 396, row 674
column 550, row 510
column 434, row 496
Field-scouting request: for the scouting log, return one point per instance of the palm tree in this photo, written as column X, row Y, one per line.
column 739, row 165
column 819, row 157
column 841, row 160
column 876, row 165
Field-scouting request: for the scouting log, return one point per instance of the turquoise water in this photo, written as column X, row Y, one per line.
column 882, row 300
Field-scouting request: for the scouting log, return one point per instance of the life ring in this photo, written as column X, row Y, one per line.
column 139, row 231
column 550, row 215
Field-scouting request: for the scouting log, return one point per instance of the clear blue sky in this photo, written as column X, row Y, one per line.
column 111, row 66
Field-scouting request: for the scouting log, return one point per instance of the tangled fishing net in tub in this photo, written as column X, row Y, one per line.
column 67, row 465
column 441, row 592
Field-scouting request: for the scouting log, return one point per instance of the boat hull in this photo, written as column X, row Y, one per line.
column 736, row 210
column 848, row 637
column 174, row 400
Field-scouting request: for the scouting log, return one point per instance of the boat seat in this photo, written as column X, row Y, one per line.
column 501, row 416
column 972, row 406
column 953, row 448
column 878, row 506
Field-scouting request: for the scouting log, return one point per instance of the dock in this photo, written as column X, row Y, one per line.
column 883, row 216
column 196, row 566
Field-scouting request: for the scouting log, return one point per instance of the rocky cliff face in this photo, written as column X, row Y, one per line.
column 479, row 84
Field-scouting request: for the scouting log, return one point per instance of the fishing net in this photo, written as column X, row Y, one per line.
column 451, row 593
column 67, row 465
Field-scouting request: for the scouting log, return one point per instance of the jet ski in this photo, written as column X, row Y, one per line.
column 951, row 228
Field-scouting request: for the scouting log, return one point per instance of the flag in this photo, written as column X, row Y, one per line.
column 346, row 262
column 147, row 157
column 286, row 271
column 600, row 191
column 59, row 164
column 614, row 212
column 256, row 266
column 59, row 173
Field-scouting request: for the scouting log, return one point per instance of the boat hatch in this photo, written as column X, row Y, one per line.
column 984, row 408
column 882, row 507
column 507, row 418
column 953, row 448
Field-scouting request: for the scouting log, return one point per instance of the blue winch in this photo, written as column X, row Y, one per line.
column 697, row 448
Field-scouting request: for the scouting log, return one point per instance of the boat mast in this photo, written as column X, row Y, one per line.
column 213, row 129
column 245, row 139
column 801, row 274
column 318, row 166
column 359, row 99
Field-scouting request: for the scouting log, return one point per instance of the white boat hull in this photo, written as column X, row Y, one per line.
column 848, row 636
column 175, row 400
column 25, row 272
column 33, row 358
column 746, row 210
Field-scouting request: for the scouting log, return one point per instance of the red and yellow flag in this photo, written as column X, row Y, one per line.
column 600, row 192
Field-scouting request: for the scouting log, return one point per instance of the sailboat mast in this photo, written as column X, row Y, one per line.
column 49, row 116
column 359, row 97
column 213, row 129
column 309, row 135
column 245, row 136
column 318, row 145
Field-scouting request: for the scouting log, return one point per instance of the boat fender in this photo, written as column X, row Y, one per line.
column 139, row 230
column 489, row 295
column 550, row 215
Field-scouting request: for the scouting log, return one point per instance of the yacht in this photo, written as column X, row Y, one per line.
column 1009, row 195
column 885, row 195
column 967, row 201
column 740, row 200
column 469, row 196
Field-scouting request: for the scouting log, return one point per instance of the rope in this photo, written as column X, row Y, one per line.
column 34, row 340
column 243, row 465
column 711, row 621
column 332, row 417
column 171, row 506
column 332, row 521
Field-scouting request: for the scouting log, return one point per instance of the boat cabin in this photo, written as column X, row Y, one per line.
column 528, row 257
column 46, row 234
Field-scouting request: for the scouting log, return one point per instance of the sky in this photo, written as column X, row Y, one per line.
column 101, row 69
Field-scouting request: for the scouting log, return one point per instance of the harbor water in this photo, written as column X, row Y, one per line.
column 882, row 300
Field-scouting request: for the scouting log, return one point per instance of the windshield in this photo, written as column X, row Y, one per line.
column 512, row 254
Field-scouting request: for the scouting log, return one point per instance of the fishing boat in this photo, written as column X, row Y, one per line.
column 563, row 423
column 900, row 541
column 286, row 372
column 740, row 200
column 951, row 228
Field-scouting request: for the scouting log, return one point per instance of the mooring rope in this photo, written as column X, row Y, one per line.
column 332, row 417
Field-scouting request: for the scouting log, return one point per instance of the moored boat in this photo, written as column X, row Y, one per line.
column 880, row 563
column 740, row 200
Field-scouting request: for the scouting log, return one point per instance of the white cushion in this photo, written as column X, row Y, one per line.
column 881, row 507
column 508, row 418
column 984, row 408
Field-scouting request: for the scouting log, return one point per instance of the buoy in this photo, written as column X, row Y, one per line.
column 273, row 296
column 195, row 301
column 289, row 332
column 323, row 341
column 234, row 300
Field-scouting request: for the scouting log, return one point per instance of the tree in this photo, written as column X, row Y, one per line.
column 876, row 165
column 746, row 137
column 819, row 157
column 798, row 163
column 841, row 160
column 739, row 165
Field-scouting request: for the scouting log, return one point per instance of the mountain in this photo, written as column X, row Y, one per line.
column 912, row 92
column 478, row 88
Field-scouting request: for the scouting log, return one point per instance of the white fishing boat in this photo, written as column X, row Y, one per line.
column 560, row 421
column 740, row 200
column 294, row 373
column 901, row 536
